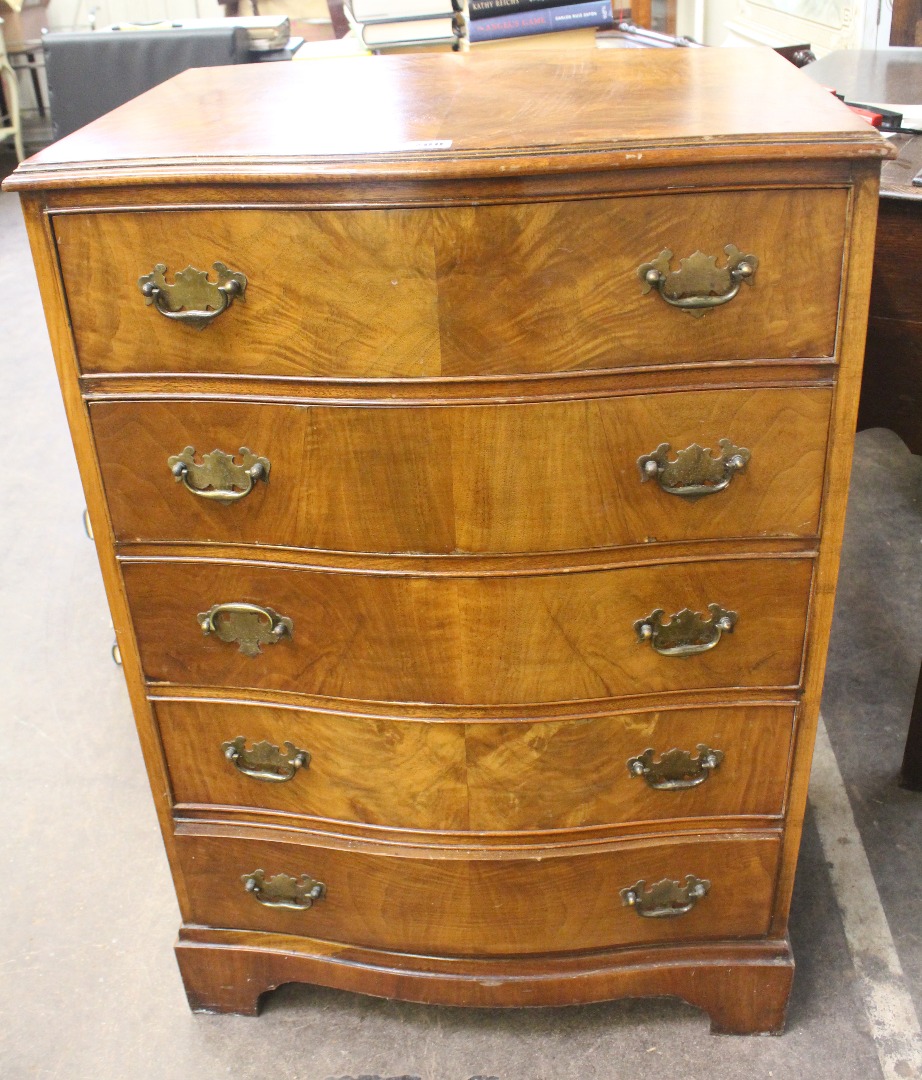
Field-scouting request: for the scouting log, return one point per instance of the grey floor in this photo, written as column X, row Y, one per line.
column 88, row 983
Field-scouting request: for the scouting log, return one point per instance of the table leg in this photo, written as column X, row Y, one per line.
column 36, row 83
column 911, row 773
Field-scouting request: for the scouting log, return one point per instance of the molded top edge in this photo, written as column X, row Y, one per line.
column 458, row 115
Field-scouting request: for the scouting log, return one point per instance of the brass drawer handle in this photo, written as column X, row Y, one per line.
column 695, row 472
column 699, row 283
column 248, row 624
column 676, row 770
column 666, row 898
column 263, row 761
column 193, row 299
column 283, row 891
column 218, row 477
column 686, row 633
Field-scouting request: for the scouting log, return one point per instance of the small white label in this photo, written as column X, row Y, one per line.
column 429, row 144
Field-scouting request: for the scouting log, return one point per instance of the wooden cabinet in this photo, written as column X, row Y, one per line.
column 468, row 479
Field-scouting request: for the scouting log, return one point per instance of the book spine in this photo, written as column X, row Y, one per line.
column 369, row 37
column 489, row 9
column 437, row 11
column 445, row 13
column 542, row 21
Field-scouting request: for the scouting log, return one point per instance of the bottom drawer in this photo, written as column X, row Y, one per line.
column 484, row 903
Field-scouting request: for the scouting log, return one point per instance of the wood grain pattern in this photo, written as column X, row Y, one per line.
column 365, row 769
column 482, row 777
column 500, row 115
column 512, row 390
column 638, row 702
column 742, row 985
column 891, row 390
column 891, row 387
column 898, row 248
column 406, row 901
column 533, row 776
column 471, row 640
column 483, row 290
column 496, row 674
column 475, row 565
column 851, row 338
column 343, row 193
column 531, row 478
column 904, row 27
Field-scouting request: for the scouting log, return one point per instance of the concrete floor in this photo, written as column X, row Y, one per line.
column 89, row 986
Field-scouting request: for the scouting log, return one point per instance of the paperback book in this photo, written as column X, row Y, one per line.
column 488, row 9
column 542, row 21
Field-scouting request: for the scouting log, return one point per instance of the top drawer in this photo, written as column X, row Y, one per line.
column 458, row 291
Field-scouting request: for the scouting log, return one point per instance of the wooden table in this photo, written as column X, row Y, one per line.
column 891, row 388
column 891, row 392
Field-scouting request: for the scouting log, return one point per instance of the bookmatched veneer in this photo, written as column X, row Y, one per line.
column 458, row 341
column 485, row 290
column 417, row 773
column 521, row 478
column 441, row 639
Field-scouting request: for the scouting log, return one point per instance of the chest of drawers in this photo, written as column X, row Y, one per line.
column 466, row 443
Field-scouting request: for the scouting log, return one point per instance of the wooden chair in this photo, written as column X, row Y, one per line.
column 11, row 127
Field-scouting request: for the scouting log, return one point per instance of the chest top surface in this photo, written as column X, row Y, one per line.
column 458, row 114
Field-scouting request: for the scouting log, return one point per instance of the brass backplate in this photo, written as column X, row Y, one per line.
column 284, row 891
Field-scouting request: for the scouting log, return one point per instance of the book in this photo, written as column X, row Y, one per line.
column 376, row 11
column 410, row 31
column 542, row 21
column 584, row 37
column 488, row 9
column 415, row 48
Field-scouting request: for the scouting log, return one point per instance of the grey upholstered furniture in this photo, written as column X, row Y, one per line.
column 91, row 73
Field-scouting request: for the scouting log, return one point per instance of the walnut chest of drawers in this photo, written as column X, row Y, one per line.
column 465, row 441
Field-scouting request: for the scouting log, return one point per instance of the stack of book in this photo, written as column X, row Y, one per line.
column 403, row 25
column 520, row 21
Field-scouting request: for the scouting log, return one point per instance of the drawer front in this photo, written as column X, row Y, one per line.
column 512, row 478
column 403, row 774
column 506, row 905
column 467, row 640
column 463, row 291
column 599, row 771
column 482, row 777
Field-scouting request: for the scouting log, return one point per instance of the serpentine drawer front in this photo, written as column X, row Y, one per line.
column 574, row 636
column 468, row 480
column 440, row 480
column 413, row 899
column 481, row 777
column 460, row 291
